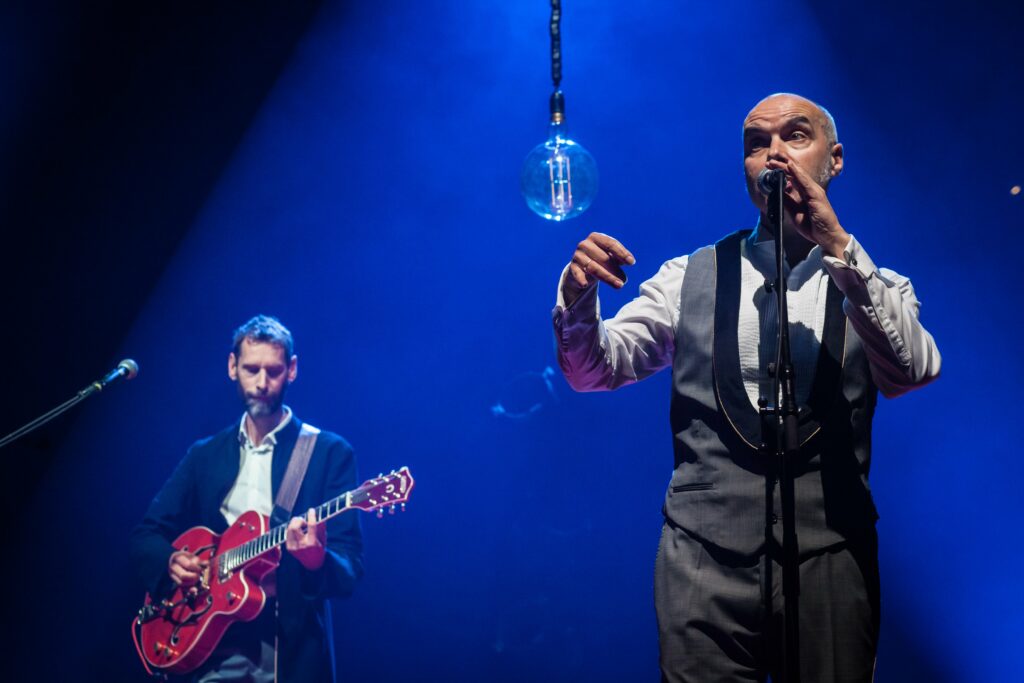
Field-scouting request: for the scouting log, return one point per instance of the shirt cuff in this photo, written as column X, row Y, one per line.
column 586, row 308
column 855, row 268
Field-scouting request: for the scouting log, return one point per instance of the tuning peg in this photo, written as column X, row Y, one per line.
column 380, row 512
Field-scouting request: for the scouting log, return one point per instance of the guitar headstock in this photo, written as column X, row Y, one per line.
column 384, row 491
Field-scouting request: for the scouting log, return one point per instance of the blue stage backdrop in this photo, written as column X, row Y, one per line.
column 373, row 205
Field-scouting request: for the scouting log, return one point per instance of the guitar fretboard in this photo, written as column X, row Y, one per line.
column 236, row 557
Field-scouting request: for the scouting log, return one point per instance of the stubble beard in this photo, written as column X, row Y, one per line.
column 825, row 172
column 257, row 408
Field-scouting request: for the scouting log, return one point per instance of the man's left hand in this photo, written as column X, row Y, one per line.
column 305, row 539
column 813, row 215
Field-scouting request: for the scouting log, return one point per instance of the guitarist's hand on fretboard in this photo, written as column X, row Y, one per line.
column 305, row 540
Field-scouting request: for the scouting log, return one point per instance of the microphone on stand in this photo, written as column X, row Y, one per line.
column 770, row 180
column 126, row 369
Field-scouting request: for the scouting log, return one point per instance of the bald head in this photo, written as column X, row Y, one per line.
column 822, row 115
column 786, row 128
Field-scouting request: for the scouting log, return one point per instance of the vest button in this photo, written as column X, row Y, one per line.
column 775, row 519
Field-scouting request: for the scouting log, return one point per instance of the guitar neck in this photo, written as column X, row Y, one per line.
column 386, row 490
column 249, row 550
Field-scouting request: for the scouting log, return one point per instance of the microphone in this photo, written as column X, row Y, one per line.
column 126, row 369
column 769, row 180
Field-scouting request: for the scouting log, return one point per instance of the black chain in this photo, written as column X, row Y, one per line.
column 557, row 103
column 556, row 42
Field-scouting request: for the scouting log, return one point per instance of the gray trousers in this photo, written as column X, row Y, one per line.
column 246, row 654
column 720, row 616
column 238, row 667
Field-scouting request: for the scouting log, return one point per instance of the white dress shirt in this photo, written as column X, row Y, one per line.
column 640, row 340
column 253, row 489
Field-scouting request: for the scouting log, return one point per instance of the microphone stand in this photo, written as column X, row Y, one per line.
column 783, row 418
column 46, row 417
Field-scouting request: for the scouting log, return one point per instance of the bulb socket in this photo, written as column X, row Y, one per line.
column 557, row 107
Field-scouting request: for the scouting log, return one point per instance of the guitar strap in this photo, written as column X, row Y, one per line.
column 297, row 465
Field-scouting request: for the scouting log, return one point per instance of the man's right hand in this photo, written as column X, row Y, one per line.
column 185, row 568
column 599, row 257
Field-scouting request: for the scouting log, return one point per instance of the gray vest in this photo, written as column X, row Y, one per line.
column 724, row 483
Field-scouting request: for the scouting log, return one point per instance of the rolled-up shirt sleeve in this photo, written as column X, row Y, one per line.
column 597, row 354
column 884, row 310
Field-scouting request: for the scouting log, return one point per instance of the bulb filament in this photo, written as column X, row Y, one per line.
column 560, row 174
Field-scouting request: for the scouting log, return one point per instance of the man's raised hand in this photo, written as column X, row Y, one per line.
column 813, row 215
column 599, row 257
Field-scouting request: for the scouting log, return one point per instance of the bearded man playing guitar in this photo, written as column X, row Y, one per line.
column 240, row 469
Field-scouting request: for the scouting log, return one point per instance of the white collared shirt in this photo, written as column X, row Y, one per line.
column 597, row 354
column 253, row 489
column 807, row 287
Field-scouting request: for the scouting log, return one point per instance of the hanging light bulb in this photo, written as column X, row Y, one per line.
column 559, row 177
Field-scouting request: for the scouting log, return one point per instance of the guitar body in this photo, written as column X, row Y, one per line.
column 178, row 633
column 184, row 636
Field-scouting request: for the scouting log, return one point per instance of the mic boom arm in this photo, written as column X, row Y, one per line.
column 126, row 369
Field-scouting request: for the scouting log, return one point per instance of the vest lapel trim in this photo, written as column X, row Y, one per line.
column 729, row 390
column 732, row 396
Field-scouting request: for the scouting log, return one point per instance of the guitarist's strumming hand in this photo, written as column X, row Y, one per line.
column 185, row 568
column 304, row 539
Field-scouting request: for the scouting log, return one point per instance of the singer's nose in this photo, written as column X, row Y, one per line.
column 776, row 153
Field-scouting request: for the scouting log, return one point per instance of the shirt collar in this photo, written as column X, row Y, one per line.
column 760, row 250
column 271, row 438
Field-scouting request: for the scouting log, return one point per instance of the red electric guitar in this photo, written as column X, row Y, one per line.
column 177, row 634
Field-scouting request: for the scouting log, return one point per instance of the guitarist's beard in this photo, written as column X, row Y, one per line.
column 261, row 405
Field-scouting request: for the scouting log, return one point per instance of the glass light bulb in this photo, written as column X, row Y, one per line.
column 559, row 177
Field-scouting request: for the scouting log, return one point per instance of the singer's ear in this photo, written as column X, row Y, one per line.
column 232, row 367
column 837, row 159
column 293, row 369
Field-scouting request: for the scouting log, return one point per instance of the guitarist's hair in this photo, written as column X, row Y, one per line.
column 264, row 328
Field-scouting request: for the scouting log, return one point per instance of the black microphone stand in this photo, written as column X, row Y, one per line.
column 83, row 394
column 783, row 417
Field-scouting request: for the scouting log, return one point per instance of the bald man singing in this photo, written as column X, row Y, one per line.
column 711, row 317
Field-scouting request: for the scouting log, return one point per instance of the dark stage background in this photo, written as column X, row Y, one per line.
column 167, row 171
